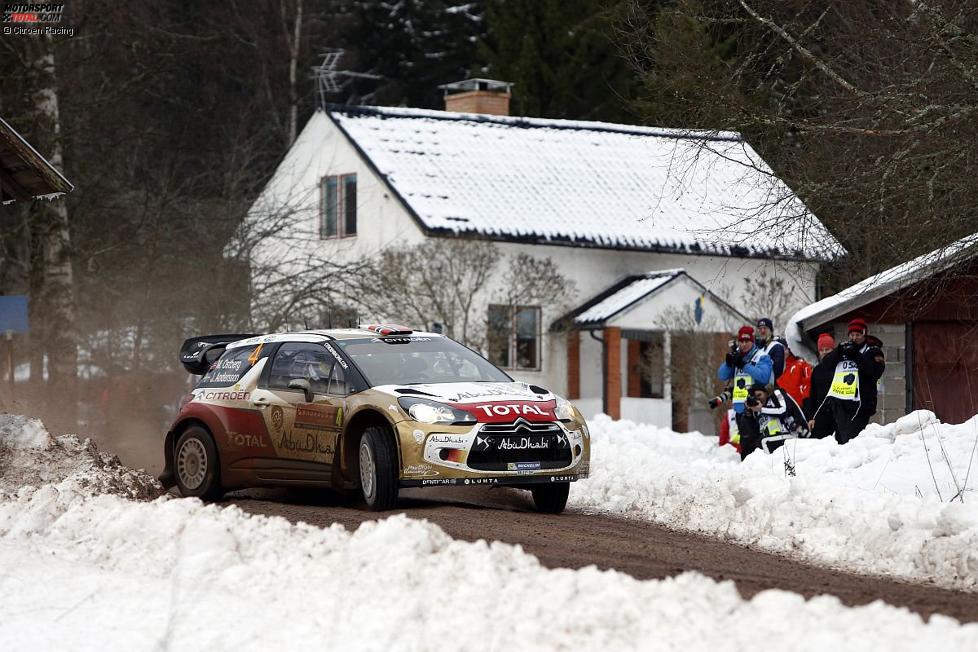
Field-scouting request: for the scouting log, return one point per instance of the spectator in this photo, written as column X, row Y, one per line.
column 774, row 348
column 796, row 380
column 773, row 417
column 744, row 366
column 856, row 366
column 819, row 420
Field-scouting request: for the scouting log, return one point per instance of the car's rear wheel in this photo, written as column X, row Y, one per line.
column 378, row 469
column 551, row 498
column 197, row 469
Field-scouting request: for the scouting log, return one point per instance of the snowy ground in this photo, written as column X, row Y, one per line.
column 84, row 566
column 882, row 504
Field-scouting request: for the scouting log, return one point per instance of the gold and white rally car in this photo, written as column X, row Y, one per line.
column 375, row 409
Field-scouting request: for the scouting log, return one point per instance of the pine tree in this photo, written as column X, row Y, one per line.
column 562, row 57
column 414, row 46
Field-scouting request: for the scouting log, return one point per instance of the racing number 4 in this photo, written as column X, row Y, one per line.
column 253, row 358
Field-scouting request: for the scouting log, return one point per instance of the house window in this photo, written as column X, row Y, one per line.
column 514, row 336
column 338, row 214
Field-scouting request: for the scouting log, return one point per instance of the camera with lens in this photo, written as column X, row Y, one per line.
column 752, row 402
column 717, row 401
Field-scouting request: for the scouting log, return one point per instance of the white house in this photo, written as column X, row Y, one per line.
column 646, row 222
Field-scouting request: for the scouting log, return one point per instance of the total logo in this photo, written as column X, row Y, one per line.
column 514, row 409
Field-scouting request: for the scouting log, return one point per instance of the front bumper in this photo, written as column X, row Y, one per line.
column 517, row 453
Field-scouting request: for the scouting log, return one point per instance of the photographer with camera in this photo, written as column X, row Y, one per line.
column 850, row 402
column 743, row 366
column 772, row 418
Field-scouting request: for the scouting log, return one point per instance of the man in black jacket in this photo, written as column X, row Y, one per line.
column 858, row 366
column 819, row 420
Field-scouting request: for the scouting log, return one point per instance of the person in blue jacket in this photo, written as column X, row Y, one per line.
column 745, row 365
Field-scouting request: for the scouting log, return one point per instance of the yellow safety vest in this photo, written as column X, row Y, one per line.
column 845, row 382
column 742, row 383
column 743, row 380
column 772, row 427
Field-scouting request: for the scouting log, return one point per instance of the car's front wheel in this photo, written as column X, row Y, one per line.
column 551, row 498
column 198, row 472
column 378, row 469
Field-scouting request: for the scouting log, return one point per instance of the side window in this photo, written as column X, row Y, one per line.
column 307, row 361
column 231, row 366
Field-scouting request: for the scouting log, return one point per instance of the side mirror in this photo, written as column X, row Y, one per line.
column 303, row 384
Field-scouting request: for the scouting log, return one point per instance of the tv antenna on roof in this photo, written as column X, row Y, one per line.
column 328, row 76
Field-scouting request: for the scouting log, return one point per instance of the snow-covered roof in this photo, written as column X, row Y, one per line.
column 878, row 286
column 628, row 292
column 583, row 183
column 624, row 294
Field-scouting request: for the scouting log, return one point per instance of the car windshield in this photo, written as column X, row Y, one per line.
column 410, row 360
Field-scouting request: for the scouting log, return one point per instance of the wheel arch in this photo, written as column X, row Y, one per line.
column 168, row 477
column 349, row 461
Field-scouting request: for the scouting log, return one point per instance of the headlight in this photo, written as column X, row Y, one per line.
column 425, row 411
column 564, row 410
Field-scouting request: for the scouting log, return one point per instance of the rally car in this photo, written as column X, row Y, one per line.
column 369, row 409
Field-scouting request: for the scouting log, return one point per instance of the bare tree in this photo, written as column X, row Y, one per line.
column 867, row 110
column 436, row 281
column 278, row 248
column 52, row 287
column 768, row 295
column 448, row 281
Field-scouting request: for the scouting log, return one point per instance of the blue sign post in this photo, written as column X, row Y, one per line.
column 13, row 314
column 13, row 319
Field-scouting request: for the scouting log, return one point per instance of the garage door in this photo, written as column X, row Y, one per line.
column 945, row 367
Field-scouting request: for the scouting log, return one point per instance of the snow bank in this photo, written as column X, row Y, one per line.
column 108, row 573
column 878, row 505
column 30, row 456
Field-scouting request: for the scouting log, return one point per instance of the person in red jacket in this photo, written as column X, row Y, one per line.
column 796, row 380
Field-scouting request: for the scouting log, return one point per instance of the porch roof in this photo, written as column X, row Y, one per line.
column 673, row 288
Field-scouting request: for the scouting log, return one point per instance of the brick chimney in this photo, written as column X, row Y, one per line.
column 478, row 96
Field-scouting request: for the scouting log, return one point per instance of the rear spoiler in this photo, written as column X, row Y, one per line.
column 198, row 353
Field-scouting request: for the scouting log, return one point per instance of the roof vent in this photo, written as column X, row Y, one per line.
column 486, row 96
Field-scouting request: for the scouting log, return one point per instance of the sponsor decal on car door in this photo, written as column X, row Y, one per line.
column 301, row 429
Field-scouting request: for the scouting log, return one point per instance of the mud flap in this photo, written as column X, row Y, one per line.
column 168, row 478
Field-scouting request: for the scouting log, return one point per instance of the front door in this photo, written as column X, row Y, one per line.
column 303, row 432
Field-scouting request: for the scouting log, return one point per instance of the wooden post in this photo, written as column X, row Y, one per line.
column 612, row 390
column 8, row 337
column 573, row 364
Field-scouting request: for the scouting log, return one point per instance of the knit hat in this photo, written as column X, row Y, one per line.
column 745, row 333
column 858, row 324
column 826, row 341
column 766, row 321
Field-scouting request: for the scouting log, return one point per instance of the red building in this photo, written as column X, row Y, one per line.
column 926, row 313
